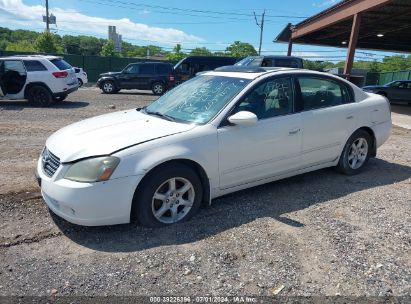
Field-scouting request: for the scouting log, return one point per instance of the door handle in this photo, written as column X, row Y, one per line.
column 350, row 117
column 295, row 131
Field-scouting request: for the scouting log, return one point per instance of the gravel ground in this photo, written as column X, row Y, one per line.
column 320, row 233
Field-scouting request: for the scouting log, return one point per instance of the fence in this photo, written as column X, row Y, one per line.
column 93, row 65
column 385, row 77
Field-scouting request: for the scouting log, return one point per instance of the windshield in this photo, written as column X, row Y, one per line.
column 199, row 99
column 250, row 61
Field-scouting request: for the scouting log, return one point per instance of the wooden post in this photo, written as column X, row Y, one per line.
column 355, row 30
column 290, row 47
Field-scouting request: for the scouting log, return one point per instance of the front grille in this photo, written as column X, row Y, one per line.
column 50, row 162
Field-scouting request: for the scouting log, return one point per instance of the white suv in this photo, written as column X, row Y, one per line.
column 40, row 79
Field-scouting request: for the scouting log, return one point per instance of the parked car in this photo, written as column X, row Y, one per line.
column 155, row 76
column 40, row 79
column 217, row 133
column 396, row 91
column 188, row 67
column 272, row 61
column 81, row 76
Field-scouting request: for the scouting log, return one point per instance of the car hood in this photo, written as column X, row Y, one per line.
column 105, row 134
column 109, row 74
column 374, row 87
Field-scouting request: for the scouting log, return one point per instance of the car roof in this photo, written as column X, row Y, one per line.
column 247, row 72
column 31, row 57
column 276, row 57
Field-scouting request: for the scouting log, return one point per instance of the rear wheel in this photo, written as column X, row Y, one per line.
column 169, row 194
column 356, row 153
column 158, row 88
column 108, row 87
column 39, row 96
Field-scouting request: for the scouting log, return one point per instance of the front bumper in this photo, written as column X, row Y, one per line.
column 88, row 204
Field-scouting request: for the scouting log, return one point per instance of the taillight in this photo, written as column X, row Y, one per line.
column 171, row 77
column 62, row 74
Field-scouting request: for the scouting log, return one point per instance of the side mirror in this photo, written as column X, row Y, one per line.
column 243, row 118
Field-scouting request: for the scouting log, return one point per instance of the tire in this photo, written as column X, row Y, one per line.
column 158, row 211
column 60, row 98
column 39, row 96
column 356, row 153
column 158, row 88
column 80, row 82
column 108, row 87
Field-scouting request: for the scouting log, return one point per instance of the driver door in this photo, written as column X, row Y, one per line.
column 270, row 147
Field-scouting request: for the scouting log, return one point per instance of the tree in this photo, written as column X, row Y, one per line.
column 22, row 46
column 45, row 43
column 177, row 54
column 241, row 49
column 108, row 49
column 200, row 52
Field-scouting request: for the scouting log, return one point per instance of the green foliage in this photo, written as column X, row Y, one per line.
column 22, row 46
column 108, row 49
column 45, row 43
column 317, row 65
column 177, row 54
column 241, row 49
column 201, row 52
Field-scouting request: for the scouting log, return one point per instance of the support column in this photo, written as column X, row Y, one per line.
column 355, row 30
column 290, row 47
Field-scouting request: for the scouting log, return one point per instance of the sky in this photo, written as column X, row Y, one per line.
column 214, row 24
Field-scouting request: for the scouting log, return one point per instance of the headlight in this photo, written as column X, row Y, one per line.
column 93, row 169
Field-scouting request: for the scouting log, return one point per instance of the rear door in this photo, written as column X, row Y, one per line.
column 145, row 76
column 328, row 117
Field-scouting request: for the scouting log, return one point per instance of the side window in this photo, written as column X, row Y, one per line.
column 163, row 69
column 77, row 70
column 271, row 98
column 321, row 93
column 14, row 66
column 132, row 69
column 147, row 69
column 34, row 66
column 267, row 62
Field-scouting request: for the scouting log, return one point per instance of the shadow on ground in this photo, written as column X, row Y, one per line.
column 20, row 105
column 269, row 200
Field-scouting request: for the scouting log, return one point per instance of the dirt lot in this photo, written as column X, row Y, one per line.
column 318, row 233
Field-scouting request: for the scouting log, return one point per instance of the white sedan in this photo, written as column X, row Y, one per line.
column 220, row 132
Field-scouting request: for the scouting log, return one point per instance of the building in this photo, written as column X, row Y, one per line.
column 382, row 25
column 115, row 37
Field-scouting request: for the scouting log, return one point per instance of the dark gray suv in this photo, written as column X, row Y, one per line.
column 155, row 76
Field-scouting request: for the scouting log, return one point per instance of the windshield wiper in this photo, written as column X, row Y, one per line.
column 165, row 116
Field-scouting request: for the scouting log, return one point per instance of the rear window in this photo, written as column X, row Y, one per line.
column 61, row 64
column 77, row 70
column 34, row 66
column 163, row 69
column 287, row 63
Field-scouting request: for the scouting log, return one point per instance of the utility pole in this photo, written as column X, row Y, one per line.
column 261, row 26
column 47, row 16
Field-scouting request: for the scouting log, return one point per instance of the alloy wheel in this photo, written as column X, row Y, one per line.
column 358, row 153
column 173, row 200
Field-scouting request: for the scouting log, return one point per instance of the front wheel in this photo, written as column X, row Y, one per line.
column 356, row 153
column 108, row 87
column 80, row 82
column 158, row 88
column 169, row 194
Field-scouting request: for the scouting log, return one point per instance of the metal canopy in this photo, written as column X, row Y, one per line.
column 384, row 25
